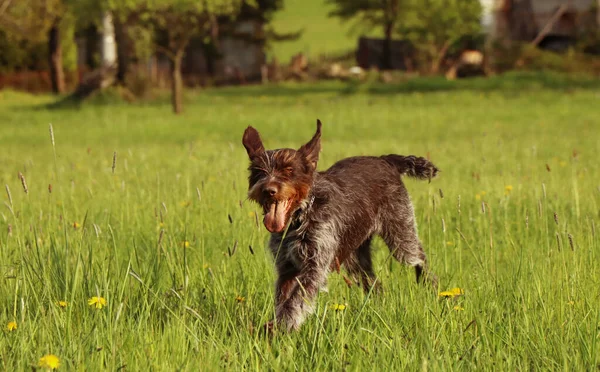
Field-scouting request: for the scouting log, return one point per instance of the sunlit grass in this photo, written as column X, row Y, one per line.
column 160, row 263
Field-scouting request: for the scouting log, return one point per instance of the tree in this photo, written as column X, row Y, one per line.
column 49, row 21
column 174, row 23
column 369, row 15
column 36, row 20
column 433, row 26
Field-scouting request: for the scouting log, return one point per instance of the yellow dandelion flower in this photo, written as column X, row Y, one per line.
column 338, row 307
column 251, row 214
column 11, row 326
column 76, row 225
column 563, row 163
column 482, row 193
column 478, row 196
column 454, row 292
column 240, row 299
column 49, row 361
column 507, row 189
column 205, row 266
column 449, row 244
column 185, row 244
column 568, row 303
column 185, row 203
column 459, row 308
column 446, row 294
column 62, row 304
column 97, row 302
column 161, row 225
column 457, row 291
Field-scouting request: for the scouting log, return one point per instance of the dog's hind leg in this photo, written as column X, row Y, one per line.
column 400, row 235
column 360, row 265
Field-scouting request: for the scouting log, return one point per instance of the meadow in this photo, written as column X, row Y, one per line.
column 127, row 244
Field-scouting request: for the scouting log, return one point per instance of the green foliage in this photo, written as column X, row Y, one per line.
column 17, row 53
column 69, row 48
column 367, row 14
column 530, row 296
column 321, row 35
column 433, row 25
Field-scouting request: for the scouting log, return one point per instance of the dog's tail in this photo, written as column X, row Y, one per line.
column 412, row 166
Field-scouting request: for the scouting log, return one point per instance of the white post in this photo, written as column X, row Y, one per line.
column 108, row 47
column 488, row 17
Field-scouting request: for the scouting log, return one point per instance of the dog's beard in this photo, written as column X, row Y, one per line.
column 276, row 215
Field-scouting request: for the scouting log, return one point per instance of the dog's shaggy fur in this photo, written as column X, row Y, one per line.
column 331, row 217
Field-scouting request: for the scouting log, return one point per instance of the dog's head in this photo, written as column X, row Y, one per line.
column 280, row 179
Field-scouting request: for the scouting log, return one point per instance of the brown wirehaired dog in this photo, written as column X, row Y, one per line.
column 331, row 217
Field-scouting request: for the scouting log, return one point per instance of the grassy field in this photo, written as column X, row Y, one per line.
column 163, row 234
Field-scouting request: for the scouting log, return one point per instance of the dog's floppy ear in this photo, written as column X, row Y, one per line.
column 252, row 142
column 311, row 150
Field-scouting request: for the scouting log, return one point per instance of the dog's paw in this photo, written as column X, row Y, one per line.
column 268, row 329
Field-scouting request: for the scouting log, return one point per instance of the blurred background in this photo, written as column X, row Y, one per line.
column 78, row 47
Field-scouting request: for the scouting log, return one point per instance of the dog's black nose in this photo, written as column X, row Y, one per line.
column 271, row 190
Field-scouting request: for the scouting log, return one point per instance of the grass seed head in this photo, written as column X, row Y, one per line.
column 52, row 135
column 571, row 242
column 9, row 196
column 24, row 183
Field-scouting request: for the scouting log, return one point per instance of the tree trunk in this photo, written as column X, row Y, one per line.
column 437, row 60
column 57, row 75
column 123, row 48
column 386, row 56
column 176, row 82
column 521, row 20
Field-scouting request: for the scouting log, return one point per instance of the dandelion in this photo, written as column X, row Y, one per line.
column 454, row 292
column 186, row 244
column 185, row 203
column 338, row 307
column 563, row 163
column 76, row 225
column 477, row 196
column 482, row 193
column 458, row 308
column 457, row 291
column 240, row 299
column 449, row 244
column 49, row 361
column 571, row 303
column 97, row 302
column 507, row 189
column 205, row 266
column 11, row 326
column 61, row 304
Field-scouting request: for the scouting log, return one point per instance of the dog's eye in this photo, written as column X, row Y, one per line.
column 288, row 171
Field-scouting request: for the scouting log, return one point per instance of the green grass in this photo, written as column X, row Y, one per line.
column 321, row 34
column 531, row 299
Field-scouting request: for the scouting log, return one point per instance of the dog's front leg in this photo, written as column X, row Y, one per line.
column 296, row 301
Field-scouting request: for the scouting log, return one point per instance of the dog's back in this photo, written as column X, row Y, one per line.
column 365, row 196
